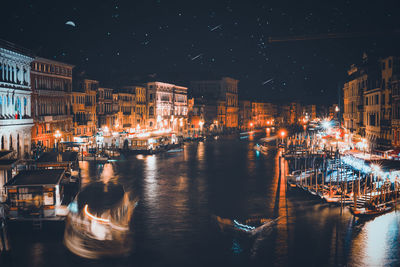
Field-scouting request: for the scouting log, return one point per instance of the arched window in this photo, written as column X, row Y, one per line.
column 151, row 111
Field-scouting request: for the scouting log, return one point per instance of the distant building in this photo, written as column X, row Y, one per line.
column 310, row 112
column 196, row 116
column 378, row 104
column 245, row 114
column 104, row 109
column 125, row 113
column 262, row 114
column 222, row 93
column 166, row 106
column 360, row 77
column 15, row 99
column 396, row 111
column 83, row 103
column 51, row 84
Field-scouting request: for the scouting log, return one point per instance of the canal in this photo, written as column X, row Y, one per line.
column 180, row 195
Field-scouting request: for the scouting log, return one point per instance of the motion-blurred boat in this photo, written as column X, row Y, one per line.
column 98, row 223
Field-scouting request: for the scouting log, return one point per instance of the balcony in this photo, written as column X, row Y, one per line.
column 7, row 121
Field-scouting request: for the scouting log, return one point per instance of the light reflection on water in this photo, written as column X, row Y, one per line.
column 179, row 192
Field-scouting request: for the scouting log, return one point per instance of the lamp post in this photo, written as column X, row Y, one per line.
column 57, row 135
column 282, row 134
column 201, row 123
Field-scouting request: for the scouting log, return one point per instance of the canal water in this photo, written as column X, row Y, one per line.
column 180, row 195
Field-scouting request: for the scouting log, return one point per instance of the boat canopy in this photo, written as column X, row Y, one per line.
column 36, row 178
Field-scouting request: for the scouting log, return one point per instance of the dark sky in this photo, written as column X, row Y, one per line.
column 121, row 42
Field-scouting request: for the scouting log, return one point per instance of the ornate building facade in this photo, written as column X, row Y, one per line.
column 51, row 83
column 15, row 99
column 167, row 106
column 215, row 91
column 83, row 107
column 104, row 110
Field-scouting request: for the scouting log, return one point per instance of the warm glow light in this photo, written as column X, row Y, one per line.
column 282, row 133
column 57, row 134
column 91, row 216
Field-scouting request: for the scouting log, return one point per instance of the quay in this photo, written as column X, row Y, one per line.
column 337, row 175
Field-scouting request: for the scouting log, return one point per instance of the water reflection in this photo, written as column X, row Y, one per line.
column 180, row 192
column 377, row 243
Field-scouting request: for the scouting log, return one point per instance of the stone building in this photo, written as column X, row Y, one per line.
column 166, row 106
column 15, row 99
column 51, row 84
column 396, row 111
column 218, row 91
column 353, row 89
column 263, row 114
column 104, row 109
column 378, row 104
column 124, row 106
column 245, row 115
column 83, row 107
column 140, row 105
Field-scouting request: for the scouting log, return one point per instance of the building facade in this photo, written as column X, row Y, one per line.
column 140, row 105
column 218, row 91
column 104, row 110
column 245, row 114
column 15, row 99
column 124, row 102
column 395, row 123
column 378, row 104
column 51, row 83
column 83, row 107
column 166, row 106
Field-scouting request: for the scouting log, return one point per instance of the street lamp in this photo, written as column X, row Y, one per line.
column 201, row 123
column 282, row 134
column 57, row 135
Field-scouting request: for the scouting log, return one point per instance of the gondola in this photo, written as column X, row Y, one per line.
column 366, row 213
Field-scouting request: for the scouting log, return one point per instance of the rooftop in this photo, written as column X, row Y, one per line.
column 37, row 177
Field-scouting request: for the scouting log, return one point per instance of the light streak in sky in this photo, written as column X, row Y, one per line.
column 270, row 80
column 199, row 55
column 216, row 27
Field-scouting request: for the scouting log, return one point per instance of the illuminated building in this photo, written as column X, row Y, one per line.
column 221, row 93
column 378, row 105
column 166, row 106
column 396, row 111
column 196, row 115
column 125, row 110
column 51, row 82
column 15, row 109
column 83, row 103
column 262, row 113
column 245, row 115
column 15, row 99
column 140, row 103
column 104, row 109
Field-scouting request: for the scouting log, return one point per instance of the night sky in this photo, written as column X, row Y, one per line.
column 120, row 42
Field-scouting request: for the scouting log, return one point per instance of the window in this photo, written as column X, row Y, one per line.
column 383, row 65
column 390, row 64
